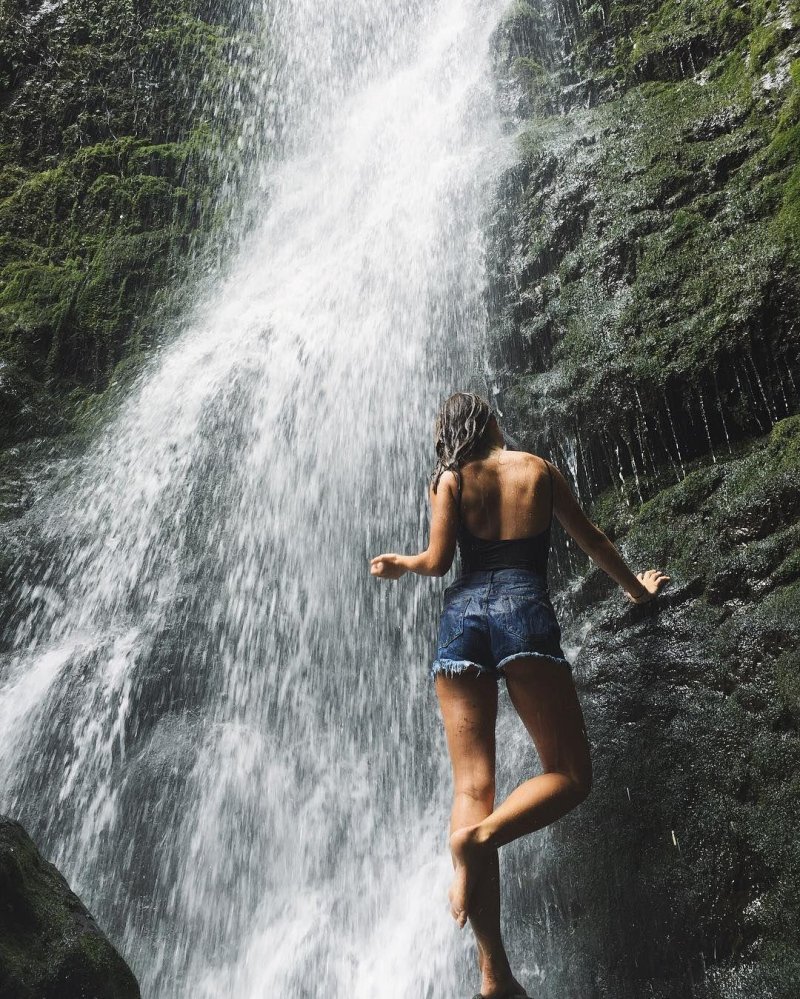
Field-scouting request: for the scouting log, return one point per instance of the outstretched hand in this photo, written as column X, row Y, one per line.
column 652, row 580
column 387, row 566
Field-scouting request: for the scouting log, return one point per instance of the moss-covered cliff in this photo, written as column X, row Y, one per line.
column 114, row 154
column 645, row 300
column 654, row 242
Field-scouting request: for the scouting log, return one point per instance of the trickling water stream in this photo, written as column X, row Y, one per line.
column 216, row 722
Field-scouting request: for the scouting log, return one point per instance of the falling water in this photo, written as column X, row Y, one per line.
column 215, row 721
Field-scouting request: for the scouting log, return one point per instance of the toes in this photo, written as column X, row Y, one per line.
column 459, row 915
column 457, row 912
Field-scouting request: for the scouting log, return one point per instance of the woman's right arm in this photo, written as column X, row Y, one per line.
column 640, row 587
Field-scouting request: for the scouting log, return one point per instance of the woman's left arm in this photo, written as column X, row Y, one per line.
column 438, row 556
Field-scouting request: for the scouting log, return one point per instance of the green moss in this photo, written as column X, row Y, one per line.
column 778, row 611
column 660, row 39
column 738, row 521
column 91, row 245
column 787, row 681
column 784, row 443
column 49, row 944
column 35, row 299
column 109, row 179
column 685, row 225
column 787, row 220
column 672, row 231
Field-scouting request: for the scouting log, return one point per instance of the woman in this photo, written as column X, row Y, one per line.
column 497, row 621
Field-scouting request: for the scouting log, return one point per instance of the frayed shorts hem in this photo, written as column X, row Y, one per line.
column 454, row 667
column 533, row 655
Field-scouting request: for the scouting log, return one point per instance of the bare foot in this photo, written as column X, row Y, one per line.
column 469, row 856
column 509, row 989
column 515, row 991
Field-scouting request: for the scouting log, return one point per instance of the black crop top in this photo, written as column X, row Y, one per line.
column 531, row 552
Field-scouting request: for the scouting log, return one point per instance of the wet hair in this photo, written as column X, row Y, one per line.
column 460, row 432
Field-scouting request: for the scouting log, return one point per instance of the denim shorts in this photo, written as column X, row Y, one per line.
column 490, row 618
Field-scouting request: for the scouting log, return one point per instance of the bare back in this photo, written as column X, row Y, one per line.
column 506, row 495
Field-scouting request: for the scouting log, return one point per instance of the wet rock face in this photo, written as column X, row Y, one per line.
column 50, row 947
column 646, row 267
column 692, row 707
column 647, row 262
column 110, row 180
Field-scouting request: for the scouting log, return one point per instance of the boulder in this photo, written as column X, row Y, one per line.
column 50, row 946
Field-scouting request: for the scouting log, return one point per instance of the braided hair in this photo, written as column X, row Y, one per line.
column 460, row 432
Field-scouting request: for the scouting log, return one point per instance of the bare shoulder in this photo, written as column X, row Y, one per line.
column 528, row 461
column 447, row 485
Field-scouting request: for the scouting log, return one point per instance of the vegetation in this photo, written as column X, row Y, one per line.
column 656, row 248
column 113, row 153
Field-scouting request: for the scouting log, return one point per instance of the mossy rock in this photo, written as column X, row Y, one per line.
column 50, row 946
column 111, row 170
column 645, row 291
column 693, row 706
column 646, row 272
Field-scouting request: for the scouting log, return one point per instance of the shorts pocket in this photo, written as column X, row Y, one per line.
column 451, row 624
column 529, row 619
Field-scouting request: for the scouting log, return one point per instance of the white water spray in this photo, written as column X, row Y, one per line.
column 216, row 722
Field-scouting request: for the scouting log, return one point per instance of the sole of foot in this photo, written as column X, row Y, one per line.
column 469, row 857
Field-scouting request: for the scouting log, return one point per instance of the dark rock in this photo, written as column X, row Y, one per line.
column 664, row 219
column 50, row 947
column 645, row 272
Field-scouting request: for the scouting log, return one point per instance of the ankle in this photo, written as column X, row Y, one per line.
column 494, row 967
column 496, row 984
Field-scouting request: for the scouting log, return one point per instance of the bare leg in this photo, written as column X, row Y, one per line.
column 469, row 710
column 544, row 696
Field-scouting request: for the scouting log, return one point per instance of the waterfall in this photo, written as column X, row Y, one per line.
column 214, row 720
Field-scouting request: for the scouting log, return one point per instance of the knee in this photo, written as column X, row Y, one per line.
column 577, row 781
column 582, row 782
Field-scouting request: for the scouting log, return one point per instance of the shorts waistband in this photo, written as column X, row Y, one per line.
column 481, row 577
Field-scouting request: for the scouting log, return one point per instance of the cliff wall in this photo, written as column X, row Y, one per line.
column 645, row 335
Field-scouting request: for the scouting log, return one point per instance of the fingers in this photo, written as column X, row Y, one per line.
column 652, row 580
column 378, row 565
column 385, row 566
